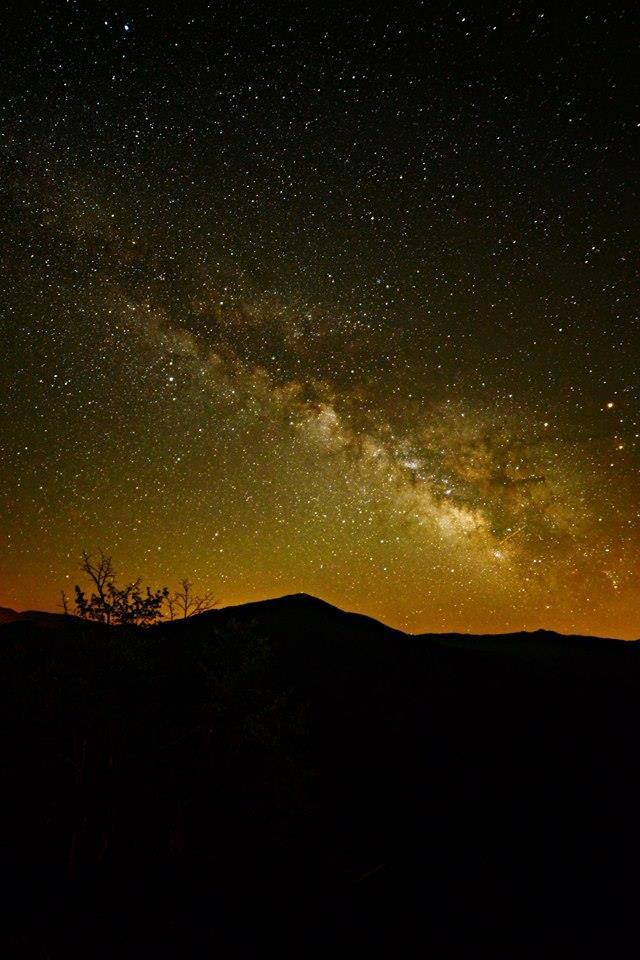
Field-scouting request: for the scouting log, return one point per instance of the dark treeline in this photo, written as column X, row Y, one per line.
column 287, row 775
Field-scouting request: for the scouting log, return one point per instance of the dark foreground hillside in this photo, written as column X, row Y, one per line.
column 286, row 775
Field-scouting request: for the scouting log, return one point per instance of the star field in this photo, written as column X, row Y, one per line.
column 340, row 300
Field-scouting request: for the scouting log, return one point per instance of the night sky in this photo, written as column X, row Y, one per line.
column 333, row 298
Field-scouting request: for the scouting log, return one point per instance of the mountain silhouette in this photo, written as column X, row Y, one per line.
column 285, row 775
column 42, row 617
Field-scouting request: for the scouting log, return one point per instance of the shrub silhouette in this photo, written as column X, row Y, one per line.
column 113, row 604
column 131, row 603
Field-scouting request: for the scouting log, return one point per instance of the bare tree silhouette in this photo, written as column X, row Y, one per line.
column 185, row 603
column 65, row 603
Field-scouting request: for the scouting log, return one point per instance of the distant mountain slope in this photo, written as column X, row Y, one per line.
column 7, row 615
column 43, row 617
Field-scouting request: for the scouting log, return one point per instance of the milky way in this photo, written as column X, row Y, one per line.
column 333, row 302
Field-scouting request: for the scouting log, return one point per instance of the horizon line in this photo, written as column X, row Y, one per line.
column 421, row 633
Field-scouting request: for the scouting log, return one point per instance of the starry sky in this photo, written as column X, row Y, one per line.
column 335, row 298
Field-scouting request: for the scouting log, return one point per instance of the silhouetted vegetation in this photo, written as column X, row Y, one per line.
column 131, row 603
column 185, row 603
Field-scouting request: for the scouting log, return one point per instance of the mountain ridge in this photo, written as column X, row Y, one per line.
column 286, row 752
column 301, row 601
